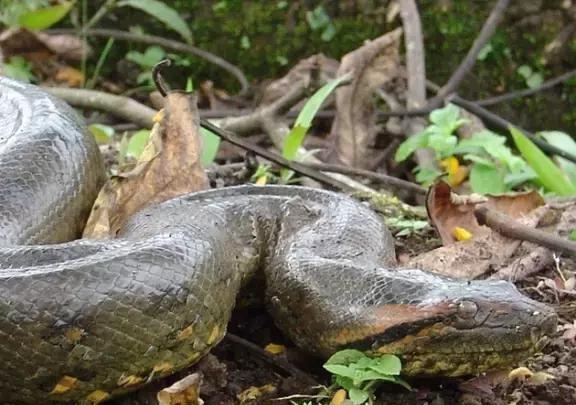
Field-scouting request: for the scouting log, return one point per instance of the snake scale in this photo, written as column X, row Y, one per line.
column 82, row 321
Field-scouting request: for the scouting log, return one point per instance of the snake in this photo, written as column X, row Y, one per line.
column 84, row 321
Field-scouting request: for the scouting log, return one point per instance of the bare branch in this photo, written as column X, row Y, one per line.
column 468, row 62
column 166, row 43
column 527, row 92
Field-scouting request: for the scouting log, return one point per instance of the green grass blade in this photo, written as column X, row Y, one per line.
column 162, row 12
column 551, row 177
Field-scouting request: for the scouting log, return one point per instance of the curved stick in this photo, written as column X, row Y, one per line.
column 170, row 44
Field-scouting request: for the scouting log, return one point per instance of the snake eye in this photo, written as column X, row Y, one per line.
column 467, row 309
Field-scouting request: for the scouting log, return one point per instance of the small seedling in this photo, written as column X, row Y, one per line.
column 360, row 375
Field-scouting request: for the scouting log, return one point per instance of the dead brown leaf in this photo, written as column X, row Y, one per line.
column 18, row 41
column 486, row 249
column 69, row 75
column 183, row 392
column 302, row 71
column 169, row 166
column 374, row 64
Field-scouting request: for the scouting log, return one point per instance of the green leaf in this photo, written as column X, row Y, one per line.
column 345, row 357
column 414, row 142
column 343, row 382
column 102, row 133
column 329, row 33
column 566, row 143
column 427, row 176
column 525, row 71
column 549, row 174
column 572, row 235
column 149, row 58
column 162, row 12
column 137, row 143
column 210, row 145
column 45, row 17
column 486, row 179
column 387, row 364
column 358, row 396
column 534, row 81
column 447, row 118
column 19, row 68
column 304, row 120
column 341, row 370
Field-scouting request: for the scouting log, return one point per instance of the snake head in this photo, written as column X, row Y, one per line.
column 453, row 328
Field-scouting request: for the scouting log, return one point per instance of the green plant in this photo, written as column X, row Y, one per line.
column 162, row 12
column 146, row 61
column 532, row 79
column 493, row 167
column 19, row 68
column 360, row 375
column 296, row 136
column 549, row 174
column 319, row 20
column 33, row 14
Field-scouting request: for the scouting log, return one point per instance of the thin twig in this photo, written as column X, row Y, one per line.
column 276, row 362
column 275, row 158
column 513, row 229
column 468, row 62
column 499, row 123
column 526, row 92
column 168, row 44
column 383, row 178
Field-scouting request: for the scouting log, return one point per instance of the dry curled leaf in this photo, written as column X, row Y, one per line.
column 374, row 64
column 169, row 166
column 302, row 71
column 183, row 392
column 470, row 257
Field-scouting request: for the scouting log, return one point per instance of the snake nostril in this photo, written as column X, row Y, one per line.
column 467, row 309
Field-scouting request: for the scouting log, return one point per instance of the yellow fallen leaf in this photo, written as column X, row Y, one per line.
column 274, row 348
column 129, row 380
column 456, row 173
column 71, row 76
column 520, row 373
column 338, row 398
column 97, row 396
column 541, row 377
column 185, row 391
column 253, row 393
column 64, row 385
column 461, row 234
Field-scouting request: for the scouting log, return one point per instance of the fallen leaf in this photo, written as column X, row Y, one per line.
column 485, row 249
column 338, row 398
column 354, row 129
column 65, row 384
column 302, row 71
column 71, row 76
column 252, row 393
column 169, row 166
column 18, row 41
column 520, row 373
column 274, row 348
column 183, row 392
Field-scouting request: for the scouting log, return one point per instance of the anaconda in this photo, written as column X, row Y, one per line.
column 86, row 320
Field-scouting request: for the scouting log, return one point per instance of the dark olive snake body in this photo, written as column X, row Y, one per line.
column 84, row 321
